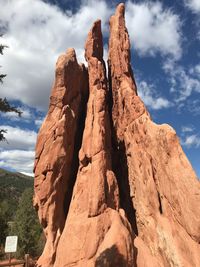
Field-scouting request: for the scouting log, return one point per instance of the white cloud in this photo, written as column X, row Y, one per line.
column 194, row 106
column 193, row 5
column 149, row 96
column 191, row 141
column 13, row 116
column 154, row 29
column 183, row 82
column 18, row 160
column 187, row 129
column 37, row 33
column 18, row 152
column 18, row 139
column 28, row 173
column 196, row 71
column 38, row 122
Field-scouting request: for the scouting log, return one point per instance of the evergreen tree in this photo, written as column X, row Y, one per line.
column 3, row 221
column 5, row 107
column 3, row 224
column 27, row 227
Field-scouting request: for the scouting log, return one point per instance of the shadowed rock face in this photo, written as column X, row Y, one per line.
column 58, row 143
column 112, row 188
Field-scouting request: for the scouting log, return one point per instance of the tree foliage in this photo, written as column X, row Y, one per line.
column 27, row 227
column 3, row 221
column 6, row 107
column 12, row 186
column 13, row 212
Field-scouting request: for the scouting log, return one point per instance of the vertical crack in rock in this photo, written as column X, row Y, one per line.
column 160, row 204
column 120, row 168
column 77, row 145
column 120, row 80
column 94, row 222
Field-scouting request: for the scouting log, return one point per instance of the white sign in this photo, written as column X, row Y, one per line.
column 11, row 244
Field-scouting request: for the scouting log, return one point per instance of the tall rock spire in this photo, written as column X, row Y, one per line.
column 126, row 104
column 112, row 188
column 95, row 227
column 119, row 45
column 163, row 186
column 57, row 147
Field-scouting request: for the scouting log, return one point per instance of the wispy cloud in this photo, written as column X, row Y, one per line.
column 18, row 160
column 148, row 94
column 26, row 115
column 18, row 139
column 194, row 106
column 187, row 129
column 189, row 138
column 38, row 122
column 183, row 81
column 154, row 29
column 193, row 5
column 191, row 141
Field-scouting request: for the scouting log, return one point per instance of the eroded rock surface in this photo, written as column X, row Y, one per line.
column 58, row 143
column 112, row 188
column 95, row 224
column 163, row 186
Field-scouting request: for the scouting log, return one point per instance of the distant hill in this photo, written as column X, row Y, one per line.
column 12, row 185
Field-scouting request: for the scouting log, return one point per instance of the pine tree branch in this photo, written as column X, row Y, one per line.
column 6, row 107
column 1, row 77
column 2, row 47
column 2, row 137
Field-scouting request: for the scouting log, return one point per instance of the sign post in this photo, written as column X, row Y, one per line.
column 11, row 245
column 9, row 257
column 27, row 260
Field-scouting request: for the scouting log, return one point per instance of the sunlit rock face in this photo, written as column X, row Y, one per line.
column 112, row 188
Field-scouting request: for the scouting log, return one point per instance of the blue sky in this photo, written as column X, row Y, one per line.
column 165, row 40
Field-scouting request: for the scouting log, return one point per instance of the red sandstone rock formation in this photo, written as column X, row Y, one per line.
column 57, row 145
column 163, row 186
column 112, row 188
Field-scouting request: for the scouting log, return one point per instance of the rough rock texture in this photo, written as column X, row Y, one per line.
column 112, row 188
column 56, row 156
column 163, row 186
column 94, row 223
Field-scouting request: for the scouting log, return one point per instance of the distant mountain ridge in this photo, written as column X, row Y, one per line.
column 12, row 185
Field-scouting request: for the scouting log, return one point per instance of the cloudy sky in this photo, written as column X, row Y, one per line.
column 165, row 39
